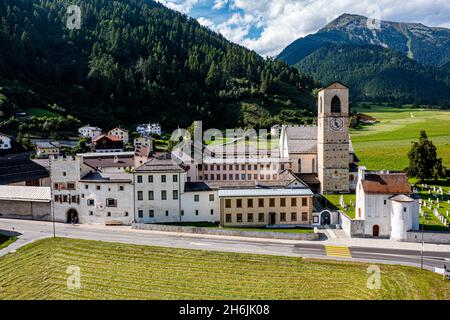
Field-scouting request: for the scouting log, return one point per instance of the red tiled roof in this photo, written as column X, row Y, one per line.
column 112, row 138
column 388, row 183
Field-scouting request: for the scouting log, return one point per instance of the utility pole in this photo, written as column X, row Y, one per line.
column 421, row 260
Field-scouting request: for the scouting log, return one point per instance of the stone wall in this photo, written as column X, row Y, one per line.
column 353, row 228
column 224, row 232
column 429, row 237
column 25, row 210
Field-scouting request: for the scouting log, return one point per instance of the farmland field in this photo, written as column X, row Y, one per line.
column 121, row 271
column 385, row 145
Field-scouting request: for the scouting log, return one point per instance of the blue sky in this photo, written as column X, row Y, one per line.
column 268, row 26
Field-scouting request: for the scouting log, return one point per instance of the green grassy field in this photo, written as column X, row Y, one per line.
column 6, row 241
column 217, row 226
column 385, row 145
column 121, row 271
column 350, row 201
column 39, row 112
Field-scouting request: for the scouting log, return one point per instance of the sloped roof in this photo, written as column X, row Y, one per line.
column 22, row 193
column 107, row 177
column 160, row 165
column 401, row 198
column 47, row 145
column 302, row 139
column 386, row 183
column 20, row 168
column 101, row 161
column 109, row 137
column 335, row 85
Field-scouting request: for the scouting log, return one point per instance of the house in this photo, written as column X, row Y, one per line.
column 148, row 129
column 385, row 204
column 120, row 133
column 107, row 143
column 5, row 141
column 19, row 170
column 90, row 132
column 25, row 202
column 46, row 149
column 144, row 142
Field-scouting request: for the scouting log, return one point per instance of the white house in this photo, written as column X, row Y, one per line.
column 90, row 132
column 5, row 142
column 46, row 149
column 148, row 129
column 384, row 203
column 120, row 133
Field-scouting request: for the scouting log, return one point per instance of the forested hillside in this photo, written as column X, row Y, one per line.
column 134, row 61
column 378, row 74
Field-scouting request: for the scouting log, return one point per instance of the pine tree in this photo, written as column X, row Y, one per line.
column 423, row 162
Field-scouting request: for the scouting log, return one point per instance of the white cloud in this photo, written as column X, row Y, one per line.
column 283, row 21
column 184, row 6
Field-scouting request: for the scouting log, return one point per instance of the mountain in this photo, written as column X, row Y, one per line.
column 134, row 61
column 380, row 64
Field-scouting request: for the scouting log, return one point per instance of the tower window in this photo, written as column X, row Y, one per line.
column 336, row 105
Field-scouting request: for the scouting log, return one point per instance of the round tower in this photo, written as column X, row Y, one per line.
column 403, row 212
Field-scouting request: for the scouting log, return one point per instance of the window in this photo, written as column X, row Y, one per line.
column 163, row 195
column 139, row 179
column 141, row 214
column 272, row 202
column 196, row 198
column 151, row 195
column 151, row 213
column 228, row 218
column 56, row 198
column 211, row 197
column 304, row 202
column 91, row 213
column 150, row 179
column 182, row 212
column 206, row 167
column 293, row 202
column 261, row 217
column 293, row 216
column 385, row 202
column 261, row 203
column 98, row 187
column 239, row 203
column 335, row 105
column 304, row 216
column 239, row 218
column 250, row 217
column 167, row 213
column 212, row 212
column 299, row 162
column 175, row 178
column 140, row 195
column 196, row 212
column 175, row 194
column 109, row 214
column 64, row 174
column 90, row 202
column 111, row 202
column 282, row 202
column 163, row 178
column 121, row 188
column 250, row 203
column 86, row 186
column 316, row 219
column 313, row 165
column 126, row 214
column 227, row 203
column 282, row 216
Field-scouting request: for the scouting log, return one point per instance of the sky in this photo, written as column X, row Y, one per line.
column 268, row 26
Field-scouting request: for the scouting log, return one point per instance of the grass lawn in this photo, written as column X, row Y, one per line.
column 6, row 241
column 385, row 145
column 121, row 271
column 349, row 199
column 217, row 226
column 39, row 112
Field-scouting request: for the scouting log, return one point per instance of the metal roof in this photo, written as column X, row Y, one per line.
column 18, row 168
column 263, row 192
column 22, row 193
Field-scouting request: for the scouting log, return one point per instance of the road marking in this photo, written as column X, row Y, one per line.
column 334, row 251
column 199, row 244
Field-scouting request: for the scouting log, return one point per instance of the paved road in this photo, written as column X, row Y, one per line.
column 33, row 230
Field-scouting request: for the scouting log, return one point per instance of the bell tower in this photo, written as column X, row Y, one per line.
column 333, row 139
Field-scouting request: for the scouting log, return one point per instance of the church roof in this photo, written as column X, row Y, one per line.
column 386, row 183
column 302, row 139
column 334, row 85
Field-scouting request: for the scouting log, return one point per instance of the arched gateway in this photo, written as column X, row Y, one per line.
column 72, row 216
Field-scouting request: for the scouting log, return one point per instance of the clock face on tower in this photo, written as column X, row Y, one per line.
column 336, row 124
